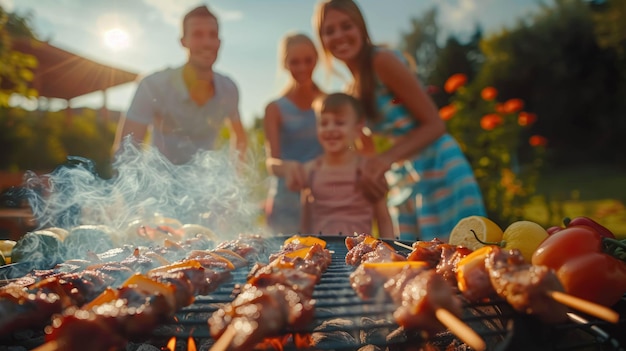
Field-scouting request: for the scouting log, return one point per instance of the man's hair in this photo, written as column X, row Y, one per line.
column 200, row 11
column 335, row 101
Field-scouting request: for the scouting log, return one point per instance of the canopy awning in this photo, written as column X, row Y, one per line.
column 64, row 75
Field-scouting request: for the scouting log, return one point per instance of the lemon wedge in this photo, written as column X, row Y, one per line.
column 486, row 230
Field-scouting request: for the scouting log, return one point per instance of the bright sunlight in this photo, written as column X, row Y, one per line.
column 116, row 39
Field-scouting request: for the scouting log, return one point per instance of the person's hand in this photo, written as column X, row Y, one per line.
column 295, row 176
column 372, row 178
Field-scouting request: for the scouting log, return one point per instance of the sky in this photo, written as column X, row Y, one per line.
column 142, row 36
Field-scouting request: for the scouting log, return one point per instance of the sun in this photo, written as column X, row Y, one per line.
column 116, row 39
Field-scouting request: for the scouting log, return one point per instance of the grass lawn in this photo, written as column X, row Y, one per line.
column 598, row 192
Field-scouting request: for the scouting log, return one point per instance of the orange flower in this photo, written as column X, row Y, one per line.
column 490, row 121
column 455, row 82
column 526, row 118
column 538, row 140
column 447, row 112
column 489, row 93
column 500, row 107
column 513, row 105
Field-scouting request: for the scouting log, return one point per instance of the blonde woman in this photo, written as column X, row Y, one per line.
column 289, row 125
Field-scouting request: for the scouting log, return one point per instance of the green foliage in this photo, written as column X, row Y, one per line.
column 566, row 62
column 40, row 140
column 16, row 70
column 489, row 133
column 555, row 63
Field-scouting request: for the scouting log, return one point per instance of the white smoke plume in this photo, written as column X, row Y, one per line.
column 209, row 190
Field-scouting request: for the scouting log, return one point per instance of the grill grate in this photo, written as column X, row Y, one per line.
column 343, row 320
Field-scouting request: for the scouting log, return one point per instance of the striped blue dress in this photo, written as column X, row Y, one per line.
column 430, row 193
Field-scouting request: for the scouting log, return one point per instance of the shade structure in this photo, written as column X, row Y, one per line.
column 65, row 75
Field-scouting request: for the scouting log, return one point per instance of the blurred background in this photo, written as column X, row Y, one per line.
column 533, row 90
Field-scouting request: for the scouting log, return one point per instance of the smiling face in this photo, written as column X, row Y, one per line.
column 300, row 60
column 202, row 40
column 338, row 129
column 341, row 36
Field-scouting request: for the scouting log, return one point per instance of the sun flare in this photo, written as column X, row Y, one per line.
column 116, row 39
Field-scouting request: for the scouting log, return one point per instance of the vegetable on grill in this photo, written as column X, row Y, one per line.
column 589, row 264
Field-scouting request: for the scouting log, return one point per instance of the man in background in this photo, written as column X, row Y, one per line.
column 186, row 107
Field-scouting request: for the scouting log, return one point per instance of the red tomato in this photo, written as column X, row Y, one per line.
column 566, row 244
column 576, row 255
column 595, row 277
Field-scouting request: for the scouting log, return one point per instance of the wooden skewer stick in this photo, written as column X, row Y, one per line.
column 403, row 245
column 223, row 342
column 49, row 346
column 460, row 329
column 582, row 305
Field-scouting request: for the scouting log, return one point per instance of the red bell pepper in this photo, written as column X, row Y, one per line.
column 583, row 221
column 588, row 264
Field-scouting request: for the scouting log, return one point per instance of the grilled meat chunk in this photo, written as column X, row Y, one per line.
column 525, row 286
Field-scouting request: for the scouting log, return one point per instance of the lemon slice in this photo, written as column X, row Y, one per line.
column 524, row 236
column 486, row 230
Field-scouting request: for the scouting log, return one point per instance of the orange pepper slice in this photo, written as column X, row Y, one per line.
column 306, row 240
column 393, row 268
column 145, row 284
column 108, row 295
column 469, row 262
column 185, row 264
column 302, row 253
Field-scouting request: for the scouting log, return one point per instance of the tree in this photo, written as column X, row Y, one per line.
column 16, row 68
column 421, row 43
column 555, row 64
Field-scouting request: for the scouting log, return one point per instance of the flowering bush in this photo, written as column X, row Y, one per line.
column 490, row 133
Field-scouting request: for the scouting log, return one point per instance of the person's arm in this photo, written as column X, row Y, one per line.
column 136, row 130
column 403, row 83
column 383, row 219
column 290, row 170
column 271, row 127
column 142, row 112
column 305, row 206
column 239, row 140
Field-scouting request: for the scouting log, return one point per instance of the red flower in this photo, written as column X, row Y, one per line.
column 526, row 118
column 490, row 121
column 538, row 140
column 489, row 93
column 447, row 112
column 455, row 82
column 513, row 105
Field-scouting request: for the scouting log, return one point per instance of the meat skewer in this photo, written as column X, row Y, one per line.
column 131, row 311
column 31, row 300
column 528, row 288
column 276, row 296
column 424, row 299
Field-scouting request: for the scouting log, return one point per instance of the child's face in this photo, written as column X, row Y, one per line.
column 300, row 61
column 337, row 130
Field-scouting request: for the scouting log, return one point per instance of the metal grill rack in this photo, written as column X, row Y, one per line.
column 343, row 321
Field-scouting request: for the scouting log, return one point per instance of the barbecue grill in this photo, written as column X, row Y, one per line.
column 343, row 321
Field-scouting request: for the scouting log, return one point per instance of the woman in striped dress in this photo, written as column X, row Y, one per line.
column 432, row 183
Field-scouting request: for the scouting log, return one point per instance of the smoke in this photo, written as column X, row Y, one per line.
column 209, row 190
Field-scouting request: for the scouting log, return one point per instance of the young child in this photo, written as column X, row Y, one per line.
column 332, row 202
